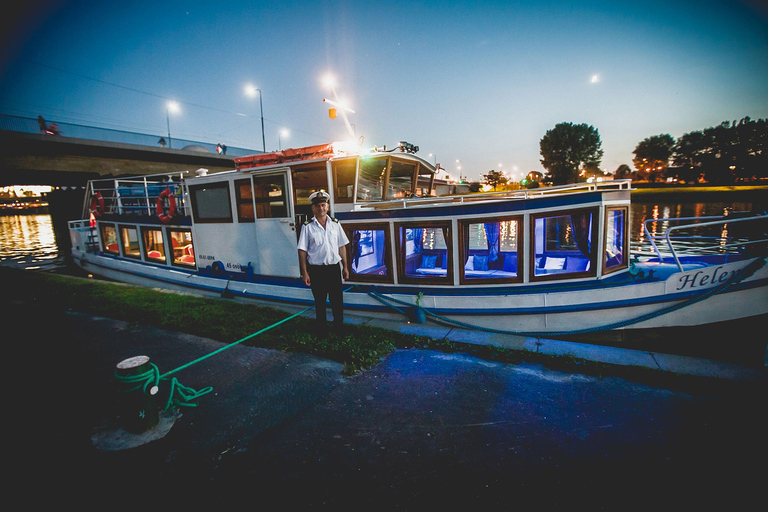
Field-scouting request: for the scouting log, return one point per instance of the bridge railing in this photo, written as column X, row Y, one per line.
column 30, row 125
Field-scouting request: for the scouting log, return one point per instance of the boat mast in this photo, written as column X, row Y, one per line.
column 339, row 106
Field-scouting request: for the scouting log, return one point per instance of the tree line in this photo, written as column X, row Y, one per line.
column 724, row 154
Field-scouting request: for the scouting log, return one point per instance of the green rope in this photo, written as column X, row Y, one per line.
column 180, row 395
column 735, row 279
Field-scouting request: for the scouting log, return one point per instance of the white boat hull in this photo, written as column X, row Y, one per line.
column 672, row 301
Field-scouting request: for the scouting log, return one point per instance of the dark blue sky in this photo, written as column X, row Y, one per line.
column 479, row 82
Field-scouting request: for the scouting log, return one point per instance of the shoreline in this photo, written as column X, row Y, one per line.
column 699, row 193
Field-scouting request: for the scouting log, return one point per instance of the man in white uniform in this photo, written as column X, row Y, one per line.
column 321, row 249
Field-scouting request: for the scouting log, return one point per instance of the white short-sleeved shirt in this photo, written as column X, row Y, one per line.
column 322, row 244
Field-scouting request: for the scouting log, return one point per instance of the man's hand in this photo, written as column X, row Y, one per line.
column 305, row 278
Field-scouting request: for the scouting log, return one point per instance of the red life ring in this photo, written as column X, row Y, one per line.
column 97, row 205
column 161, row 214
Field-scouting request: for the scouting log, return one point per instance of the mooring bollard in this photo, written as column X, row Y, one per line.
column 136, row 399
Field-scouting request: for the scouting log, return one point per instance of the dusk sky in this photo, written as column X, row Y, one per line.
column 480, row 82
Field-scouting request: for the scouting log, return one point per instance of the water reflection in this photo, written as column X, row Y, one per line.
column 29, row 242
column 658, row 212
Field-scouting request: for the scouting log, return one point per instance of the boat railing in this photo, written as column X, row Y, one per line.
column 85, row 232
column 138, row 196
column 412, row 202
column 728, row 234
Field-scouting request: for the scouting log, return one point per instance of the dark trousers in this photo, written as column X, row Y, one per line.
column 325, row 281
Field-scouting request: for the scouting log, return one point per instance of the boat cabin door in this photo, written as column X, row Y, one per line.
column 275, row 225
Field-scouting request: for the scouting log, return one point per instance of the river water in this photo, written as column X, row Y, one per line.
column 31, row 242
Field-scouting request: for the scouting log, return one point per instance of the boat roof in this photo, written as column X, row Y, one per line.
column 319, row 152
column 323, row 152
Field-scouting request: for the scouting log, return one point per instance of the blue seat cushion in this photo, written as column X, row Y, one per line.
column 428, row 261
column 510, row 263
column 480, row 262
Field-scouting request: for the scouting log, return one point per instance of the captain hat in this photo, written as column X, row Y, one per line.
column 319, row 197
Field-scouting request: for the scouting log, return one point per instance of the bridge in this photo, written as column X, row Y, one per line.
column 29, row 156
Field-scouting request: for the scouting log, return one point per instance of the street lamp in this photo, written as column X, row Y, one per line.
column 283, row 133
column 458, row 168
column 251, row 91
column 172, row 106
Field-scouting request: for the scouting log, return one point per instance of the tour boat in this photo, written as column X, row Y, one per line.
column 543, row 261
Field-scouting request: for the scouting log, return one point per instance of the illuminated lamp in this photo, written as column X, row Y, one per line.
column 332, row 113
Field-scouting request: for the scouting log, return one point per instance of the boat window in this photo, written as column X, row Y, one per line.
column 344, row 179
column 130, row 238
column 307, row 180
column 370, row 183
column 369, row 252
column 615, row 239
column 269, row 196
column 400, row 183
column 183, row 252
column 425, row 252
column 109, row 238
column 244, row 198
column 564, row 244
column 211, row 202
column 489, row 251
column 425, row 181
column 154, row 249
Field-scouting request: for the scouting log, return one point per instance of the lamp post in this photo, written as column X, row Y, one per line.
column 458, row 168
column 171, row 106
column 251, row 91
column 338, row 105
column 283, row 133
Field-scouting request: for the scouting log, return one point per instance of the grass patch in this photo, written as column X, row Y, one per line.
column 228, row 321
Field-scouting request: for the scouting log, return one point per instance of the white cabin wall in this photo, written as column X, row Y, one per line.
column 233, row 244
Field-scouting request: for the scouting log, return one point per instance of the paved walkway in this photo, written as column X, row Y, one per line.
column 421, row 430
column 680, row 364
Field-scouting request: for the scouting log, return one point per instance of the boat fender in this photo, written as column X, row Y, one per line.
column 419, row 315
column 97, row 205
column 164, row 216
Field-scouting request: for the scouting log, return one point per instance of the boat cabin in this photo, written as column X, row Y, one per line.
column 244, row 223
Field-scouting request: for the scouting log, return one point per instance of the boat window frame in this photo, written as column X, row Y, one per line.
column 193, row 189
column 400, row 252
column 625, row 234
column 286, row 195
column 431, row 184
column 463, row 227
column 239, row 200
column 170, row 242
column 384, row 183
column 126, row 254
column 102, row 238
column 145, row 249
column 373, row 226
column 592, row 272
column 414, row 178
column 355, row 161
column 389, row 159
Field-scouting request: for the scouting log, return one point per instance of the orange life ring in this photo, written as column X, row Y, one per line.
column 97, row 205
column 161, row 214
